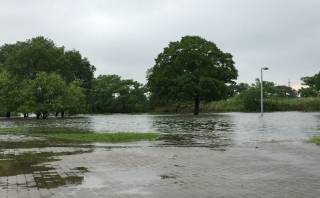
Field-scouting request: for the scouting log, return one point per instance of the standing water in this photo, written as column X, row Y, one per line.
column 219, row 129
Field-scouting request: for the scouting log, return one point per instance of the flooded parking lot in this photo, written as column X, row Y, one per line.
column 212, row 155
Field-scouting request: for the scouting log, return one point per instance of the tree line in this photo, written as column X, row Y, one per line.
column 37, row 76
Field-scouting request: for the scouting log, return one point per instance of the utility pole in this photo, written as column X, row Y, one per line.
column 261, row 86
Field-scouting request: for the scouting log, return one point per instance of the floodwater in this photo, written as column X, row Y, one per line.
column 231, row 147
column 211, row 130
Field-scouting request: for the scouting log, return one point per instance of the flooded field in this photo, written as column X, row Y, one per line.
column 189, row 130
column 229, row 155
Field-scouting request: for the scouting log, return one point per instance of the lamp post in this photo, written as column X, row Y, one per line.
column 261, row 86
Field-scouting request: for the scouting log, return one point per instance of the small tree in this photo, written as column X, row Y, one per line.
column 191, row 69
column 46, row 93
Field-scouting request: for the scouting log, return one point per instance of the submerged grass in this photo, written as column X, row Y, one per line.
column 315, row 140
column 102, row 137
column 72, row 135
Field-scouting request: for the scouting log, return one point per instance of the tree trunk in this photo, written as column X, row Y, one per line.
column 8, row 114
column 44, row 115
column 196, row 105
column 57, row 113
column 25, row 115
column 177, row 107
column 62, row 114
column 38, row 115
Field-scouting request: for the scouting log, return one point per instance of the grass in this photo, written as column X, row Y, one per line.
column 276, row 104
column 71, row 135
column 315, row 140
column 230, row 105
column 238, row 104
column 102, row 137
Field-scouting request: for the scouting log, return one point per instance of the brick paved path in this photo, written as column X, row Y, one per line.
column 271, row 170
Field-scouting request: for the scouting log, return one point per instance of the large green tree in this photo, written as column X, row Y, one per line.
column 23, row 60
column 191, row 69
column 23, row 64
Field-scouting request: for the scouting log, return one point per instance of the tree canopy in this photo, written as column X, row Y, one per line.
column 191, row 69
column 23, row 60
column 313, row 86
column 112, row 94
column 44, row 94
column 38, row 76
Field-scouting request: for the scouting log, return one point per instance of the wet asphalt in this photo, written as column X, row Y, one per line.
column 269, row 169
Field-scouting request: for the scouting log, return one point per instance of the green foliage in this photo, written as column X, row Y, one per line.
column 284, row 91
column 67, row 135
column 250, row 99
column 296, row 104
column 112, row 94
column 37, row 76
column 23, row 60
column 190, row 69
column 229, row 105
column 308, row 92
column 46, row 92
column 276, row 104
column 10, row 93
column 50, row 93
column 102, row 137
column 276, row 98
column 238, row 88
column 313, row 83
column 315, row 140
column 74, row 100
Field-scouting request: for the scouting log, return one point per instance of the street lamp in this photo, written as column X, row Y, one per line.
column 261, row 85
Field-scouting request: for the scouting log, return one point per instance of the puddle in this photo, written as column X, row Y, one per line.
column 34, row 170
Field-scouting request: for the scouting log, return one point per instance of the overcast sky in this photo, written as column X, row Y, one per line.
column 124, row 36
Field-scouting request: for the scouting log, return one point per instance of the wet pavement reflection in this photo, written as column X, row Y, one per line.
column 33, row 168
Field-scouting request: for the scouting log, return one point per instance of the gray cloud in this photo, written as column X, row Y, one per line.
column 124, row 36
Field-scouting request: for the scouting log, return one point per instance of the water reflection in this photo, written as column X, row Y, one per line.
column 78, row 123
column 34, row 170
column 188, row 130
